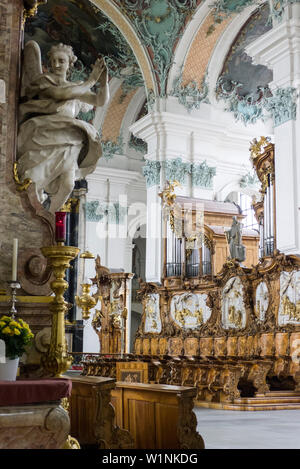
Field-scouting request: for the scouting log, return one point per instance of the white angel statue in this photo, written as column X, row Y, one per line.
column 54, row 148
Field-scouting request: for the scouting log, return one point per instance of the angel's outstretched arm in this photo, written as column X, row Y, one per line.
column 102, row 97
column 61, row 93
column 77, row 91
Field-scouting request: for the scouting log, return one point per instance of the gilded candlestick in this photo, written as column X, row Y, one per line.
column 85, row 301
column 56, row 360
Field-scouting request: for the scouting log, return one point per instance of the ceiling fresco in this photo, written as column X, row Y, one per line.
column 222, row 9
column 80, row 24
column 238, row 65
column 159, row 25
column 242, row 85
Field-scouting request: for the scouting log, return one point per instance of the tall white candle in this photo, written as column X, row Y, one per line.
column 14, row 260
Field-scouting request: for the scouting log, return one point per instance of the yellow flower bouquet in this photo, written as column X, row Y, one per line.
column 16, row 334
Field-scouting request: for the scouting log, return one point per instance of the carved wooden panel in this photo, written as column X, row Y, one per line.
column 146, row 346
column 154, row 346
column 250, row 346
column 242, row 346
column 117, row 404
column 132, row 372
column 267, row 344
column 92, row 415
column 191, row 346
column 281, row 343
column 163, row 345
column 206, row 346
column 158, row 416
column 295, row 346
column 232, row 346
column 220, row 346
column 175, row 346
column 256, row 345
column 82, row 415
column 138, row 346
column 248, row 340
column 220, row 256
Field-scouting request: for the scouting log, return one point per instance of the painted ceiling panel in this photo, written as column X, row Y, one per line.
column 114, row 115
column 238, row 65
column 242, row 85
column 83, row 26
column 201, row 50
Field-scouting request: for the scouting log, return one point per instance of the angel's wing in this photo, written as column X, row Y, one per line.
column 32, row 64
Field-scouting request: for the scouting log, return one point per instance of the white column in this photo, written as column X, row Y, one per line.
column 128, row 268
column 2, row 92
column 154, row 236
column 109, row 187
column 110, row 242
column 279, row 49
column 81, row 194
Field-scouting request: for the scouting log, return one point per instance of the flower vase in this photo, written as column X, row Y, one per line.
column 9, row 369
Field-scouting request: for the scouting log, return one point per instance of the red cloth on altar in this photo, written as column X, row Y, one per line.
column 32, row 391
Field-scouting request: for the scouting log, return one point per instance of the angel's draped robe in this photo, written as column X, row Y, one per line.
column 54, row 148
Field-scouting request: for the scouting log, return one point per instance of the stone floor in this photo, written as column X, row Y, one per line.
column 226, row 429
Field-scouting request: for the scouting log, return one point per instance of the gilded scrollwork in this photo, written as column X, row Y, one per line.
column 257, row 147
column 31, row 8
column 20, row 185
column 263, row 161
column 168, row 195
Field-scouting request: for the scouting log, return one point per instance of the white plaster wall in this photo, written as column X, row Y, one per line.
column 206, row 134
column 279, row 49
column 112, row 242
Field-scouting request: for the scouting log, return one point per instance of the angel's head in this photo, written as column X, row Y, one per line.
column 62, row 58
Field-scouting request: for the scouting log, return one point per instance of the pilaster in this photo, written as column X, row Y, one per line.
column 279, row 49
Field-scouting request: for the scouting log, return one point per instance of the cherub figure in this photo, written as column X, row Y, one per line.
column 54, row 148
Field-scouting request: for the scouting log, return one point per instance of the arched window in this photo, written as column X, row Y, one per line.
column 245, row 203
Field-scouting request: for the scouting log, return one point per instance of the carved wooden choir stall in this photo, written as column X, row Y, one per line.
column 232, row 333
column 110, row 322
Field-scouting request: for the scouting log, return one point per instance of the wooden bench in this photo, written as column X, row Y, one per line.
column 157, row 416
column 92, row 415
